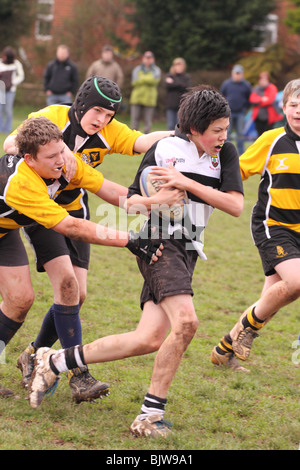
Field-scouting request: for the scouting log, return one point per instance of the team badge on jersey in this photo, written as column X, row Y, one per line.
column 215, row 161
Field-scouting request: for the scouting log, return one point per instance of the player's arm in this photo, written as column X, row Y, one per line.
column 231, row 202
column 113, row 193
column 90, row 232
column 145, row 141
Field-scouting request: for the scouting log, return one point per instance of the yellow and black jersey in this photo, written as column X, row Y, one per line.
column 25, row 197
column 116, row 137
column 275, row 156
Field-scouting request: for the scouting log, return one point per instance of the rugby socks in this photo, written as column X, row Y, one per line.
column 61, row 322
column 152, row 405
column 67, row 324
column 251, row 321
column 47, row 335
column 8, row 329
column 67, row 359
column 225, row 345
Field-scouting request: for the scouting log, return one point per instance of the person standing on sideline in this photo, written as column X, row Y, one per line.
column 177, row 82
column 237, row 91
column 263, row 98
column 107, row 67
column 145, row 79
column 60, row 78
column 11, row 75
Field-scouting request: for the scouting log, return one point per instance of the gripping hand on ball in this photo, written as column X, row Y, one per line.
column 146, row 249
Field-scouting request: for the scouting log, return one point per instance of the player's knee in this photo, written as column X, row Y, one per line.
column 82, row 297
column 149, row 343
column 154, row 343
column 69, row 291
column 186, row 326
column 19, row 303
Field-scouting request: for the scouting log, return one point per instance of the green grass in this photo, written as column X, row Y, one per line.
column 211, row 408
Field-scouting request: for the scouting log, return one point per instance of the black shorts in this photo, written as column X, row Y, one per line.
column 12, row 250
column 284, row 244
column 48, row 244
column 171, row 275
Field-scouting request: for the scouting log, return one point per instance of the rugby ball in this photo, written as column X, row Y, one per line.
column 150, row 186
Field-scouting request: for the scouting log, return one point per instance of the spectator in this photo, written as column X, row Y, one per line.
column 11, row 75
column 143, row 99
column 263, row 97
column 107, row 67
column 237, row 91
column 177, row 82
column 60, row 78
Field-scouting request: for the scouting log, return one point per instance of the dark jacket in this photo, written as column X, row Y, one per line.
column 175, row 90
column 61, row 77
column 237, row 94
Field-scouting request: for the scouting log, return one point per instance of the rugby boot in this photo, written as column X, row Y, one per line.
column 43, row 379
column 242, row 341
column 227, row 360
column 84, row 387
column 151, row 426
column 26, row 364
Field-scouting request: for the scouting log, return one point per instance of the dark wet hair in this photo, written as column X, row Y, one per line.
column 201, row 106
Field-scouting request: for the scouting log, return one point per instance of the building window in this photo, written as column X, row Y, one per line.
column 44, row 19
column 269, row 32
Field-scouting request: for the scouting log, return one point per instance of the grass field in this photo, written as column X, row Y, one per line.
column 211, row 408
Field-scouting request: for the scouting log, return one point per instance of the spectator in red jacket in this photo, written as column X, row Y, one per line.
column 263, row 98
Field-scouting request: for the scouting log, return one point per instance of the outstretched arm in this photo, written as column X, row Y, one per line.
column 90, row 232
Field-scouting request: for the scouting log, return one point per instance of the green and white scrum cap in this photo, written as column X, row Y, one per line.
column 97, row 91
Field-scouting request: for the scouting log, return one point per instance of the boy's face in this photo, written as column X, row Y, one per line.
column 213, row 138
column 95, row 119
column 49, row 160
column 292, row 112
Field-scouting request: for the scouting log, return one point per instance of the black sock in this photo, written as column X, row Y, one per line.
column 8, row 329
column 47, row 335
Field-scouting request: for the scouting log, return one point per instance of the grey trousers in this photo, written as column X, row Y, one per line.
column 137, row 112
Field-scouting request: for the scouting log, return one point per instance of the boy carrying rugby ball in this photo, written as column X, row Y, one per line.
column 207, row 167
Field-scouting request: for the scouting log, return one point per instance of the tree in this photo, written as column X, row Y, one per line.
column 16, row 18
column 208, row 34
column 293, row 18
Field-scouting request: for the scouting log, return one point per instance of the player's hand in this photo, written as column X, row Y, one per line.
column 169, row 196
column 70, row 165
column 146, row 249
column 172, row 178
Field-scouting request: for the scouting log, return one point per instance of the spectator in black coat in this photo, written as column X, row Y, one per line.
column 177, row 82
column 60, row 78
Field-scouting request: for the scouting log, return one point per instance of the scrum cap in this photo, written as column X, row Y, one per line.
column 97, row 91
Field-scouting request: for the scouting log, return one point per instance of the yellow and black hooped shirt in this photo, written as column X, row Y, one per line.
column 275, row 155
column 25, row 197
column 116, row 137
